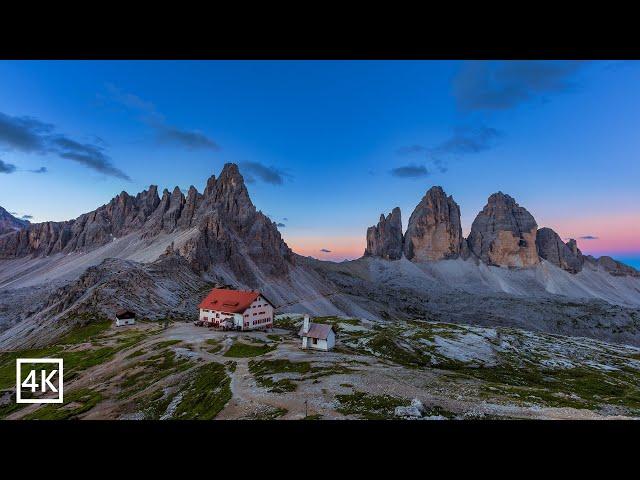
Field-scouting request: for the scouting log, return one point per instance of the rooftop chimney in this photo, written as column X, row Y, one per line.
column 305, row 324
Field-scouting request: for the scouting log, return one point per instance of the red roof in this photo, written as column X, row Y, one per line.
column 228, row 301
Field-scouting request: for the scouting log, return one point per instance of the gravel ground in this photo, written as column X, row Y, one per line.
column 317, row 396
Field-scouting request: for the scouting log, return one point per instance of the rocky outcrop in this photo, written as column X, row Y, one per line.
column 191, row 204
column 614, row 267
column 230, row 231
column 124, row 214
column 385, row 239
column 504, row 234
column 551, row 247
column 434, row 231
column 9, row 223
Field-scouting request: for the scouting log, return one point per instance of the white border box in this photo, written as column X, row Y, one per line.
column 20, row 361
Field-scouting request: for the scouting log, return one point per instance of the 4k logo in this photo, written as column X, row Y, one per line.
column 39, row 381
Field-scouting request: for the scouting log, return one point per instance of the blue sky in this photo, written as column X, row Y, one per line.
column 329, row 145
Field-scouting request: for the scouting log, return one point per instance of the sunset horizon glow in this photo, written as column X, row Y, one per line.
column 325, row 147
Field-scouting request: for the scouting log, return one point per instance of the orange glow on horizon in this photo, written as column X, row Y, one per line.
column 341, row 247
column 616, row 235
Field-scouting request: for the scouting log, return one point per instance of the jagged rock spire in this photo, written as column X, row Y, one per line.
column 434, row 231
column 385, row 239
column 551, row 247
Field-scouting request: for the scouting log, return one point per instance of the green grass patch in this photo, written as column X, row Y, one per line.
column 386, row 345
column 11, row 406
column 244, row 350
column 207, row 393
column 269, row 414
column 370, row 407
column 573, row 387
column 287, row 323
column 263, row 370
column 317, row 416
column 154, row 405
column 270, row 367
column 74, row 361
column 317, row 372
column 216, row 345
column 75, row 403
column 437, row 410
column 336, row 321
column 150, row 371
column 165, row 344
column 137, row 353
column 85, row 333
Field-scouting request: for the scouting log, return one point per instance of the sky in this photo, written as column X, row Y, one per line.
column 327, row 146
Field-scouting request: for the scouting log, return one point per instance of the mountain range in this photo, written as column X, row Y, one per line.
column 9, row 223
column 158, row 254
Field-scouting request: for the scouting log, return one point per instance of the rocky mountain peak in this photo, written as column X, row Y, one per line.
column 231, row 195
column 230, row 231
column 613, row 267
column 551, row 247
column 504, row 233
column 190, row 206
column 434, row 231
column 385, row 239
column 151, row 193
column 573, row 246
column 9, row 223
column 500, row 198
column 210, row 188
column 231, row 181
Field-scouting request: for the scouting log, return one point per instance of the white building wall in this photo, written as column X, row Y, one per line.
column 258, row 315
column 324, row 345
column 213, row 315
column 331, row 340
column 125, row 321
